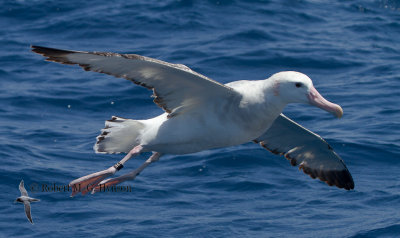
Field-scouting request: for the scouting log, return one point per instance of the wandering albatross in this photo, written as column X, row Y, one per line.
column 202, row 114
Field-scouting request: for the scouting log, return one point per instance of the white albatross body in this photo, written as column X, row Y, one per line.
column 185, row 133
column 202, row 114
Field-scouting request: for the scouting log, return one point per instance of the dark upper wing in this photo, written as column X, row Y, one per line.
column 22, row 189
column 308, row 150
column 175, row 86
column 27, row 207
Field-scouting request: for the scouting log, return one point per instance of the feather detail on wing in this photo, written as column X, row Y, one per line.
column 175, row 86
column 27, row 207
column 307, row 150
column 22, row 189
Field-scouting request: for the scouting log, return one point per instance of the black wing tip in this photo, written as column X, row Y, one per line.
column 47, row 51
column 58, row 55
column 339, row 178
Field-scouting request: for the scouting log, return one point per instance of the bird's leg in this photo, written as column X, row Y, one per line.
column 86, row 183
column 129, row 176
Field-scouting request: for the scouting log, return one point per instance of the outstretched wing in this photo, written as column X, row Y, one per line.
column 22, row 189
column 27, row 207
column 308, row 150
column 175, row 86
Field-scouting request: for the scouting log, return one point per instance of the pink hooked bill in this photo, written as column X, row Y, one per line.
column 317, row 100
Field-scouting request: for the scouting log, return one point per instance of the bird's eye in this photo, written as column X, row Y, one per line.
column 298, row 85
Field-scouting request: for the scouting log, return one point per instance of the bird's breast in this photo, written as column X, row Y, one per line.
column 215, row 126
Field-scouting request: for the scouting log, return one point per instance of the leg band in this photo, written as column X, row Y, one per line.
column 118, row 166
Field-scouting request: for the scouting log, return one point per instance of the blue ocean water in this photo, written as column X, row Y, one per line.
column 50, row 115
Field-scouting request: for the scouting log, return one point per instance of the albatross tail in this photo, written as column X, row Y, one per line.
column 119, row 136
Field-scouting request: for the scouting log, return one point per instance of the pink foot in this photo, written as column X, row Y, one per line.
column 114, row 181
column 129, row 176
column 86, row 183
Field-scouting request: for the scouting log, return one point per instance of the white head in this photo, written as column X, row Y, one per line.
column 295, row 87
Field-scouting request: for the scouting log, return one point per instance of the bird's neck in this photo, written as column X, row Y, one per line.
column 271, row 103
column 261, row 103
